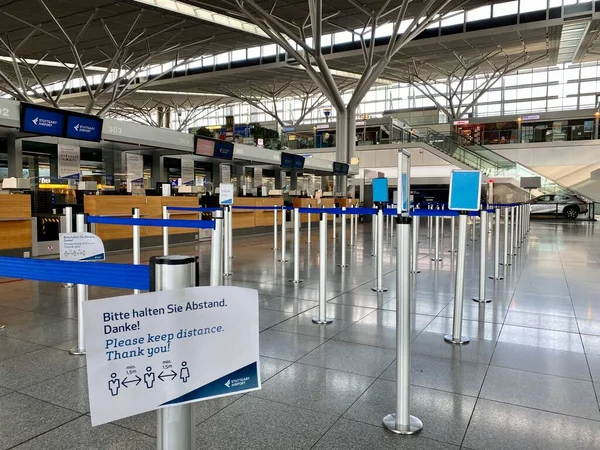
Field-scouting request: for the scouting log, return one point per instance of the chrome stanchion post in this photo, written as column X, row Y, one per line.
column 429, row 226
column 282, row 259
column 82, row 296
column 497, row 213
column 334, row 229
column 216, row 250
column 296, row 224
column 374, row 235
column 355, row 226
column 343, row 228
column 401, row 422
column 230, row 231
column 436, row 255
column 275, row 228
column 483, row 228
column 175, row 425
column 136, row 242
column 68, row 229
column 309, row 226
column 352, row 228
column 518, row 228
column 473, row 226
column 505, row 249
column 379, row 253
column 165, row 230
column 459, row 285
column 512, row 249
column 452, row 237
column 322, row 318
column 415, row 244
column 226, row 247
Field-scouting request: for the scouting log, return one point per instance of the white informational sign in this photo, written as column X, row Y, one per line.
column 80, row 247
column 226, row 194
column 465, row 190
column 188, row 177
column 225, row 173
column 69, row 161
column 258, row 176
column 260, row 143
column 159, row 349
column 135, row 169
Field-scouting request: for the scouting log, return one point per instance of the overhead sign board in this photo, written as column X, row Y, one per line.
column 41, row 120
column 80, row 247
column 465, row 190
column 69, row 162
column 188, row 177
column 86, row 128
column 166, row 348
column 460, row 122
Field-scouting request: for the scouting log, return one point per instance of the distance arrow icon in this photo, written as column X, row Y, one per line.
column 126, row 381
column 228, row 384
column 162, row 377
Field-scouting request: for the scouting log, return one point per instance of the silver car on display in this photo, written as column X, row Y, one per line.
column 567, row 205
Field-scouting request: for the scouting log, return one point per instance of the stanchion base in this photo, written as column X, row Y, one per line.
column 460, row 341
column 438, row 259
column 478, row 300
column 507, row 264
column 318, row 321
column 379, row 290
column 68, row 285
column 2, row 327
column 295, row 281
column 452, row 251
column 343, row 265
column 496, row 279
column 414, row 427
column 415, row 271
column 227, row 274
column 283, row 260
column 77, row 351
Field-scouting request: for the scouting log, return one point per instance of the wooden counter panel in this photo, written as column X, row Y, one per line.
column 15, row 234
column 307, row 203
column 244, row 219
column 15, row 206
column 110, row 232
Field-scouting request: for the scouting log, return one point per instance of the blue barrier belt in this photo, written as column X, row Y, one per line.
column 122, row 276
column 184, row 208
column 171, row 223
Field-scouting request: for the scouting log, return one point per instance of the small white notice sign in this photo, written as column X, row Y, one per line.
column 159, row 349
column 80, row 247
column 226, row 194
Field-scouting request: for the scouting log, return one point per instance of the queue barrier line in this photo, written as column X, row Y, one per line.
column 187, row 208
column 169, row 223
column 121, row 276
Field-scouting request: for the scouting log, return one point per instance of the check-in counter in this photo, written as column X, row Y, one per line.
column 248, row 218
column 307, row 203
column 15, row 224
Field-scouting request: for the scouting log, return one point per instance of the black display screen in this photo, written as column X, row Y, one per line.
column 287, row 160
column 298, row 162
column 340, row 168
column 214, row 148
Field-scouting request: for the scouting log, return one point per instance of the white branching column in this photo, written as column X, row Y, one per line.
column 294, row 39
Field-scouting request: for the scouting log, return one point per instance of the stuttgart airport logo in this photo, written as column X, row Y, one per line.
column 36, row 120
column 76, row 127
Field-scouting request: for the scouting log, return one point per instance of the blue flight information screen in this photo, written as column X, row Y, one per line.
column 37, row 120
column 223, row 150
column 86, row 128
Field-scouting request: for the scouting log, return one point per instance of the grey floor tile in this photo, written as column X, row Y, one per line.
column 24, row 417
column 10, row 347
column 35, row 367
column 594, row 364
column 364, row 300
column 79, row 434
column 447, row 413
column 587, row 326
column 489, row 429
column 433, row 344
column 446, row 374
column 541, row 360
column 352, row 435
column 69, row 390
column 27, row 320
column 269, row 318
column 287, row 346
column 351, row 358
column 544, row 321
column 257, row 424
column 343, row 312
column 271, row 366
column 483, row 313
column 304, row 325
column 488, row 331
column 373, row 335
column 557, row 340
column 541, row 391
column 289, row 305
column 50, row 334
column 591, row 344
column 324, row 390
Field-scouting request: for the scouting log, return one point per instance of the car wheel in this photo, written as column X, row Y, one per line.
column 571, row 212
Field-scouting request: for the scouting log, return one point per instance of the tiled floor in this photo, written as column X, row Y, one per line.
column 529, row 379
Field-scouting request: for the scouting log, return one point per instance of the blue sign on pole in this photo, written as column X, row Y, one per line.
column 40, row 120
column 465, row 190
column 380, row 190
column 86, row 128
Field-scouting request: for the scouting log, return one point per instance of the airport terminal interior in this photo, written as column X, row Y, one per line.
column 299, row 224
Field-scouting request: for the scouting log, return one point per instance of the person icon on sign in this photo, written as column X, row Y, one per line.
column 114, row 384
column 184, row 373
column 149, row 378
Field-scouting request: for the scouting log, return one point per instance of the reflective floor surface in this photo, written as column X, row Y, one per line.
column 528, row 379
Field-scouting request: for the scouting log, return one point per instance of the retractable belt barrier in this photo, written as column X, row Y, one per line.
column 171, row 223
column 186, row 208
column 122, row 276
